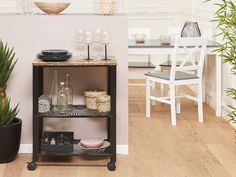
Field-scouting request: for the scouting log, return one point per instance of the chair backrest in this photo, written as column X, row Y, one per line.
column 193, row 52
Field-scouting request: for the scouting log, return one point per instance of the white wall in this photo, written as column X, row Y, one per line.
column 158, row 15
column 87, row 6
column 31, row 34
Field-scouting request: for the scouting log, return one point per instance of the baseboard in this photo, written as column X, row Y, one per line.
column 121, row 149
column 225, row 112
column 211, row 101
column 26, row 148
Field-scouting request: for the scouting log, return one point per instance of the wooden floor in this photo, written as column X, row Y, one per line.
column 156, row 149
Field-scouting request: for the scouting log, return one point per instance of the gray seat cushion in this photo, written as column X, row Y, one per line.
column 168, row 63
column 166, row 75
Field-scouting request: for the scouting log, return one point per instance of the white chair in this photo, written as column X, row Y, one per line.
column 182, row 74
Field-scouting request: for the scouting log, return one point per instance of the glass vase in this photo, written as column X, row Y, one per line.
column 54, row 93
column 20, row 7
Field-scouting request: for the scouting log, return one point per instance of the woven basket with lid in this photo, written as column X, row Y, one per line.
column 91, row 98
column 104, row 103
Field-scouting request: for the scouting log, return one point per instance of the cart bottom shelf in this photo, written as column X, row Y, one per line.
column 77, row 151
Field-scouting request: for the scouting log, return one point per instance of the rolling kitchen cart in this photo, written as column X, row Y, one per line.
column 81, row 111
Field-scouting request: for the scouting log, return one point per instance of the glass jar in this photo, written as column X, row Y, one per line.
column 140, row 38
column 69, row 92
column 20, row 7
column 62, row 99
column 165, row 39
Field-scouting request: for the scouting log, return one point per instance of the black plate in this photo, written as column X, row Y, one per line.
column 54, row 58
column 57, row 52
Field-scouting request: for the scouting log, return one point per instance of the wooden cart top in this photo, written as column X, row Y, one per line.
column 75, row 61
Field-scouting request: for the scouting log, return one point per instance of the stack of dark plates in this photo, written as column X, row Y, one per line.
column 54, row 55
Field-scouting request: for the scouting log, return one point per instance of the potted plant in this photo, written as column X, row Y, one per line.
column 10, row 126
column 225, row 16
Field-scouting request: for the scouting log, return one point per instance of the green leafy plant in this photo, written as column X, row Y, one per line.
column 8, row 114
column 7, row 63
column 225, row 16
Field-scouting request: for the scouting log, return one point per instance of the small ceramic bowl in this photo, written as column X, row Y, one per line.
column 92, row 142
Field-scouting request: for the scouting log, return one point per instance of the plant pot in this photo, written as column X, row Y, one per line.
column 3, row 98
column 10, row 136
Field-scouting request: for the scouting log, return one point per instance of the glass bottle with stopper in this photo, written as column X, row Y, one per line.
column 62, row 99
column 69, row 92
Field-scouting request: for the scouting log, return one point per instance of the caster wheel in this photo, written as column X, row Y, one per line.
column 111, row 166
column 31, row 165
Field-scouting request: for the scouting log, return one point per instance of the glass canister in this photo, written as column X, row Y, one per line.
column 105, row 7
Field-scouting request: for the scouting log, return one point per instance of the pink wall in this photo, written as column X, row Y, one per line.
column 30, row 34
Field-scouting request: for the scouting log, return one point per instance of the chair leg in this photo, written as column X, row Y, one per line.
column 203, row 88
column 195, row 93
column 153, row 92
column 178, row 108
column 148, row 98
column 200, row 104
column 173, row 109
column 161, row 90
column 162, row 86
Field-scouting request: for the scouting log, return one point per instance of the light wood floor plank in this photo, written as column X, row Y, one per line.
column 226, row 158
column 156, row 149
column 2, row 169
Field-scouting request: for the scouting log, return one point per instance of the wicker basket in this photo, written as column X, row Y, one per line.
column 91, row 98
column 107, row 7
column 104, row 103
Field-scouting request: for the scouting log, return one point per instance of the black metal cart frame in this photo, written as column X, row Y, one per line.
column 38, row 69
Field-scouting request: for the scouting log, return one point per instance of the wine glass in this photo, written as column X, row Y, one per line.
column 106, row 39
column 80, row 40
column 97, row 38
column 88, row 39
